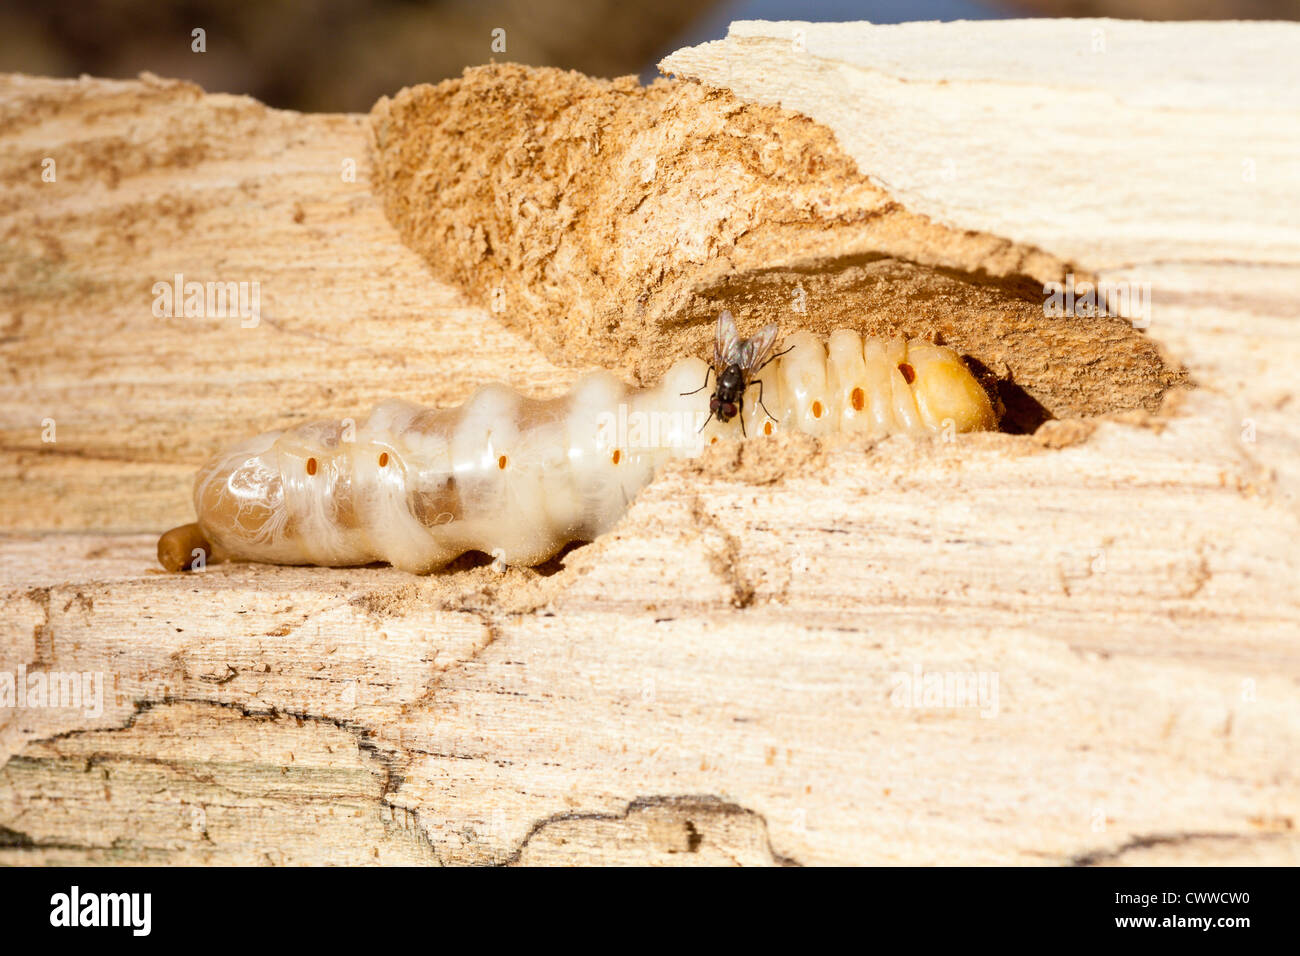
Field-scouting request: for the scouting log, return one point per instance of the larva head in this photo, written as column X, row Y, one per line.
column 945, row 389
column 804, row 386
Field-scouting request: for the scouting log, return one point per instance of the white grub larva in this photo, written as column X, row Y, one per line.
column 520, row 478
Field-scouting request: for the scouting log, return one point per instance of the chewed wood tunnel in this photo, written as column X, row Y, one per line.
column 520, row 478
column 609, row 223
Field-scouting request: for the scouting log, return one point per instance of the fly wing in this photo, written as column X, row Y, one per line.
column 727, row 342
column 754, row 351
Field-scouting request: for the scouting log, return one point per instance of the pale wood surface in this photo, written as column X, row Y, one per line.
column 1066, row 134
column 711, row 682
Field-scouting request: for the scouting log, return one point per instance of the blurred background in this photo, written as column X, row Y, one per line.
column 341, row 55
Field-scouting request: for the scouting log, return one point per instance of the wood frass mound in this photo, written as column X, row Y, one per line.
column 610, row 222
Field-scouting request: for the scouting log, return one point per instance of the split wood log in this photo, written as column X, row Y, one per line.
column 728, row 676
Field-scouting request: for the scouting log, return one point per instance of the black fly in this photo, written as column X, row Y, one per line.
column 735, row 363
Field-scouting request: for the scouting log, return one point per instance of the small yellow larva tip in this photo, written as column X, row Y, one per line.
column 945, row 389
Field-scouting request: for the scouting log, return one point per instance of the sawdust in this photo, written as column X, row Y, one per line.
column 610, row 222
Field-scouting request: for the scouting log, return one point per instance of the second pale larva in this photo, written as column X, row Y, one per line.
column 520, row 478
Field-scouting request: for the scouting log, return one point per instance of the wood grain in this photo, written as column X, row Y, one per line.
column 717, row 680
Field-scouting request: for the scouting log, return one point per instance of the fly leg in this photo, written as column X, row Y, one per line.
column 704, row 386
column 765, row 364
column 759, row 383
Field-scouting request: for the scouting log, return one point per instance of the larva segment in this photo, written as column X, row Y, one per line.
column 519, row 478
column 846, row 374
column 889, row 395
column 680, row 416
column 503, row 510
column 805, row 396
column 601, row 488
column 416, row 498
column 907, row 418
column 757, row 421
column 878, row 386
column 239, row 497
column 539, row 461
